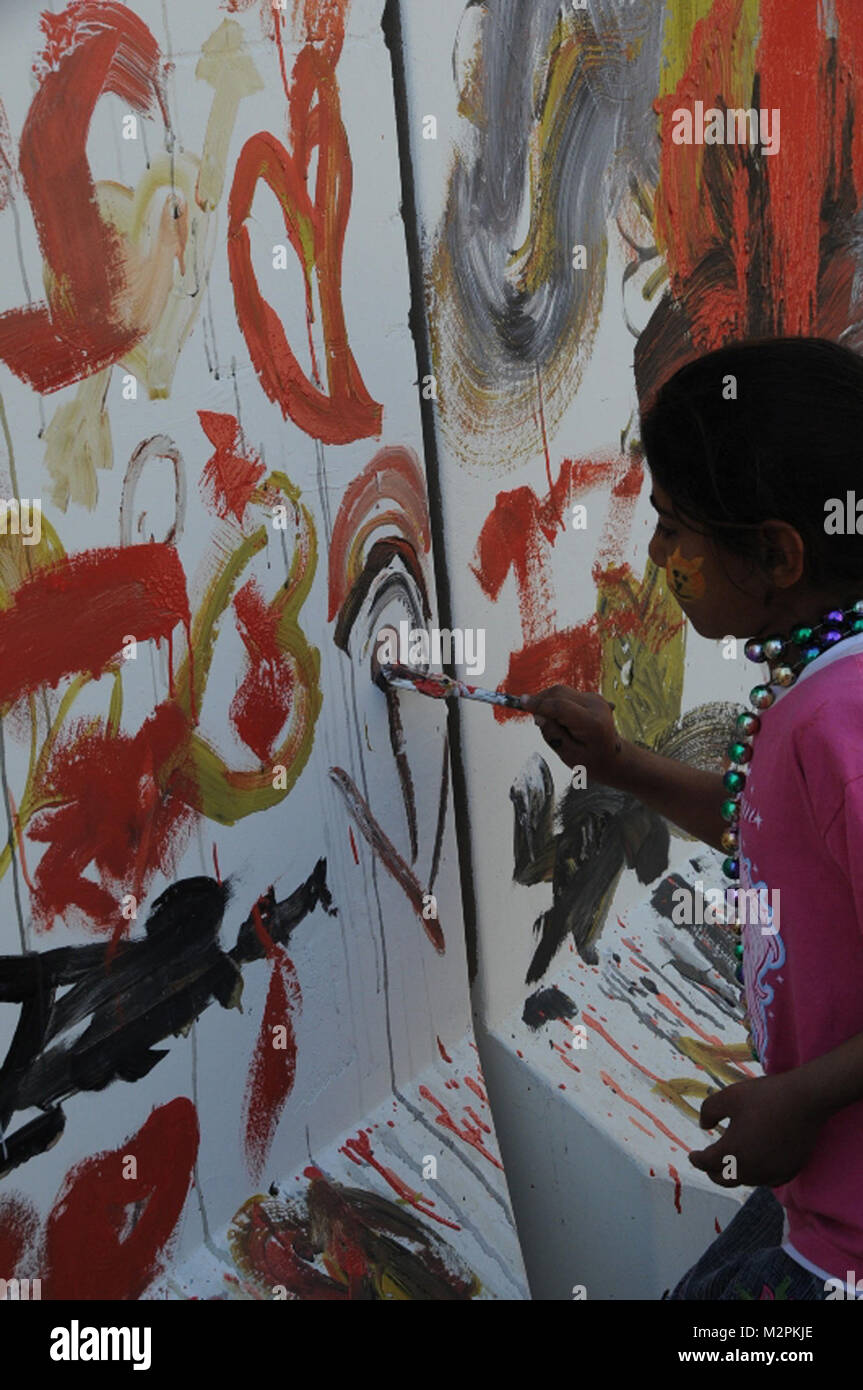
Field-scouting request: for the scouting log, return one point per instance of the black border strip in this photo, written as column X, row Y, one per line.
column 391, row 24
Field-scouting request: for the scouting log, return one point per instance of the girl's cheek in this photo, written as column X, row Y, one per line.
column 685, row 578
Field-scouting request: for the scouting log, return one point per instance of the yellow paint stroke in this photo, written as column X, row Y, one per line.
column 716, row 1060
column 685, row 577
column 681, row 17
column 203, row 778
column 77, row 442
column 643, row 637
column 569, row 55
column 226, row 64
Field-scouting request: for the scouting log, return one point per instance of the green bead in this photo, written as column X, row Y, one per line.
column 738, row 950
column 857, row 625
column 734, row 781
column 748, row 724
column 731, row 867
column 737, row 751
column 801, row 635
column 761, row 696
column 729, row 811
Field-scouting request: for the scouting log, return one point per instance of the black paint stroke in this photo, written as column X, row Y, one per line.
column 131, row 996
column 602, row 830
column 546, row 1004
column 391, row 26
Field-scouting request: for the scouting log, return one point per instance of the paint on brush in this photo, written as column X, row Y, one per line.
column 441, row 687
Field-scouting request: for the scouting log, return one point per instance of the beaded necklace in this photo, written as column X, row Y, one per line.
column 810, row 642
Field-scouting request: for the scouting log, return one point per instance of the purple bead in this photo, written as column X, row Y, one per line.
column 754, row 651
column 835, row 616
column 829, row 638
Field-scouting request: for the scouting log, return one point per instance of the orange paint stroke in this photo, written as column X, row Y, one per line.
column 630, row 1100
column 477, row 1090
column 639, row 1125
column 394, row 474
column 610, row 1040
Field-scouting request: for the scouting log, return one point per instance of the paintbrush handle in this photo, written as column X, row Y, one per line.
column 439, row 686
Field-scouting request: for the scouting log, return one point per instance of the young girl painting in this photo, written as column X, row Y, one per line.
column 754, row 452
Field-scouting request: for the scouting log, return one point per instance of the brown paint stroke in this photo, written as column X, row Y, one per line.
column 157, row 446
column 386, row 851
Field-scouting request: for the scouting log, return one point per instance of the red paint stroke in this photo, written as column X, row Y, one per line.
column 518, row 534
column 273, row 1069
column 568, row 657
column 678, row 1186
column 387, row 853
column 19, row 1226
column 216, row 868
column 232, row 472
column 630, row 1100
column 628, row 942
column 353, row 845
column 778, row 274
column 111, row 812
column 393, row 474
column 468, row 1132
column 477, row 1090
column 92, row 48
column 323, row 23
column 570, row 1064
column 316, row 230
column 265, row 696
column 717, row 1226
column 469, row 1110
column 108, row 1235
column 361, row 1146
column 88, row 603
column 443, row 1052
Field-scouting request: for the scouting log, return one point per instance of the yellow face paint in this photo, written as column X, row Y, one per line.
column 684, row 576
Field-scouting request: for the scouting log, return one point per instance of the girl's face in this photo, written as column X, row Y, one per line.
column 721, row 594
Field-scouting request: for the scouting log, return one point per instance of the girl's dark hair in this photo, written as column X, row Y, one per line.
column 791, row 440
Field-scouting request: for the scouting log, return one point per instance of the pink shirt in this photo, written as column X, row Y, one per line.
column 801, row 832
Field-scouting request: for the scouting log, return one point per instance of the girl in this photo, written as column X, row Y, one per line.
column 752, row 452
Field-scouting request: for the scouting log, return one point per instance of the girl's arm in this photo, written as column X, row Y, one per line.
column 580, row 729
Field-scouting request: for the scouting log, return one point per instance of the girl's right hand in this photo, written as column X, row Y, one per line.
column 579, row 728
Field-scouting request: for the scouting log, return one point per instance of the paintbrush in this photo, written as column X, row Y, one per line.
column 440, row 687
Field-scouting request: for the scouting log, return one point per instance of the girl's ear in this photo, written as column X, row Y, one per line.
column 783, row 553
